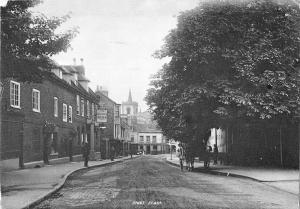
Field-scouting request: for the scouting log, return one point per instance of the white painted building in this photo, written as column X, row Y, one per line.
column 152, row 142
column 217, row 136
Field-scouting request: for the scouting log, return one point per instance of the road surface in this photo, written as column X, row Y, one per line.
column 149, row 182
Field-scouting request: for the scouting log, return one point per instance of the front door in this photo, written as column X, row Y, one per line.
column 148, row 149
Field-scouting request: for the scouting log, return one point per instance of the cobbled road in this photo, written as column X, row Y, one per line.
column 149, row 182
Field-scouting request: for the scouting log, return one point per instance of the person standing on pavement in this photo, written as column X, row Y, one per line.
column 216, row 152
column 131, row 151
column 207, row 151
column 180, row 156
column 112, row 153
column 86, row 153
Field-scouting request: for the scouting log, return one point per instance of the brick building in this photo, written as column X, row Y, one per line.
column 110, row 125
column 40, row 121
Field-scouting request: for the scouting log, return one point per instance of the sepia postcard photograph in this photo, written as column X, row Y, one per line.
column 150, row 104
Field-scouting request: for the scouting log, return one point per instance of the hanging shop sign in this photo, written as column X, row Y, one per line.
column 101, row 116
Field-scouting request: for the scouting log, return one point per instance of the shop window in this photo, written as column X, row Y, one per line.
column 153, row 139
column 148, row 138
column 141, row 138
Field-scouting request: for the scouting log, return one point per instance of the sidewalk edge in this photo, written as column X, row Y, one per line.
column 61, row 184
column 220, row 173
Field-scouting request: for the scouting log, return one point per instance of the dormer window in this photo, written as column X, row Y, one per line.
column 76, row 79
column 60, row 75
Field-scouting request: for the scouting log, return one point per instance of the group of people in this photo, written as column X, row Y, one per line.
column 206, row 155
column 187, row 153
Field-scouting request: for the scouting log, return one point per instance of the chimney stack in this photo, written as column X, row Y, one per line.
column 81, row 60
column 74, row 61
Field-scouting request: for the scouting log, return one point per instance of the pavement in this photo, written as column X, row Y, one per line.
column 283, row 179
column 149, row 183
column 21, row 188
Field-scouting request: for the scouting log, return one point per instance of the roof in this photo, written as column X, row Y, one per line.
column 68, row 69
column 129, row 103
column 144, row 128
column 129, row 100
column 79, row 69
column 99, row 93
column 71, row 86
column 150, row 131
column 82, row 78
column 129, row 97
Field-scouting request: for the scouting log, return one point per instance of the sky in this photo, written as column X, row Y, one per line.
column 117, row 39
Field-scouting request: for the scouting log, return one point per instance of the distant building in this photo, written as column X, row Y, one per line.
column 152, row 142
column 218, row 137
column 144, row 133
column 102, row 90
column 130, row 107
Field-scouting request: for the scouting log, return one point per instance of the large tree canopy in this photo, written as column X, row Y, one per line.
column 229, row 60
column 28, row 41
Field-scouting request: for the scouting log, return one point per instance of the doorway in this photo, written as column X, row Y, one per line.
column 148, row 149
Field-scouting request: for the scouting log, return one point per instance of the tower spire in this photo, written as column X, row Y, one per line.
column 129, row 96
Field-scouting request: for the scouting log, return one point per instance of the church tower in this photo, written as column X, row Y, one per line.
column 129, row 107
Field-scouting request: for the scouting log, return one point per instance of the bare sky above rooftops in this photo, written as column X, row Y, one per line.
column 117, row 39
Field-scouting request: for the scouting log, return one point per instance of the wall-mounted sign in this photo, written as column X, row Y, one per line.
column 101, row 116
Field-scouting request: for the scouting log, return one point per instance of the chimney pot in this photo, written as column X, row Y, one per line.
column 74, row 61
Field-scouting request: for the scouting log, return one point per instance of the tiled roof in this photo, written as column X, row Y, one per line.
column 66, row 70
column 79, row 69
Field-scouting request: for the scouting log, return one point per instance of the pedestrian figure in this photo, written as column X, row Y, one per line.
column 189, row 158
column 180, row 156
column 193, row 154
column 86, row 153
column 131, row 151
column 207, row 156
column 216, row 152
column 112, row 153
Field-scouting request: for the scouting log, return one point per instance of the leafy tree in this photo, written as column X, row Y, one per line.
column 228, row 61
column 28, row 42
